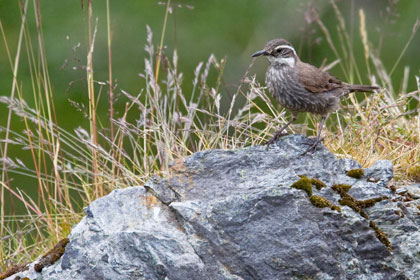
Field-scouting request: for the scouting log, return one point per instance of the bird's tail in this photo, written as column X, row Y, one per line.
column 362, row 88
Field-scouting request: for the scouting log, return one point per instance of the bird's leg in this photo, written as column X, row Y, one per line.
column 280, row 132
column 318, row 138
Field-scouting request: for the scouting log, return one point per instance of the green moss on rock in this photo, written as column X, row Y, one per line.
column 319, row 201
column 341, row 188
column 336, row 208
column 318, row 183
column 356, row 173
column 304, row 183
column 370, row 202
column 322, row 202
column 348, row 200
column 381, row 235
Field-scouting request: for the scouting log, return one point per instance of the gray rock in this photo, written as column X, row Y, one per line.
column 380, row 171
column 414, row 191
column 233, row 215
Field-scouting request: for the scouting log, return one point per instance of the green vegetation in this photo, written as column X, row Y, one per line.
column 356, row 173
column 348, row 200
column 315, row 182
column 322, row 202
column 124, row 136
column 370, row 202
column 413, row 173
column 318, row 183
column 358, row 206
column 381, row 235
column 304, row 183
column 341, row 188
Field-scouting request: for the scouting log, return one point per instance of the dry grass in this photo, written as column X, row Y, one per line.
column 172, row 123
column 380, row 127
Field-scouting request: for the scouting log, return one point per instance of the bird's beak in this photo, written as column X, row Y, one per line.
column 258, row 53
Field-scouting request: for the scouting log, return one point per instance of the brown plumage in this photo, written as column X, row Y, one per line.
column 301, row 87
column 315, row 80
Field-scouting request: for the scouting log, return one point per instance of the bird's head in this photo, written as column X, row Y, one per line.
column 279, row 51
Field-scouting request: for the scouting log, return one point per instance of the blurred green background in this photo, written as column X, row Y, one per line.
column 226, row 28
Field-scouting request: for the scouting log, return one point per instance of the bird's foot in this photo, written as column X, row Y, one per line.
column 313, row 144
column 274, row 139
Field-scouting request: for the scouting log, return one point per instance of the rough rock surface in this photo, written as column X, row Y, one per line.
column 233, row 215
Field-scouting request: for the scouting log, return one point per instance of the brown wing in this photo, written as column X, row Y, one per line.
column 315, row 80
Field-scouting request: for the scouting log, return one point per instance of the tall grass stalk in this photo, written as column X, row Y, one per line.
column 4, row 175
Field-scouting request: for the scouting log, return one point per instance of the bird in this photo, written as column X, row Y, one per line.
column 302, row 87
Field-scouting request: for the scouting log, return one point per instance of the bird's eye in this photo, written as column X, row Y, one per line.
column 279, row 50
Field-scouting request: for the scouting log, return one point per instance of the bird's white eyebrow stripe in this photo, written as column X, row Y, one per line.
column 286, row 47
